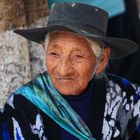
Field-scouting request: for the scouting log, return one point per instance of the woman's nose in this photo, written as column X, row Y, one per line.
column 64, row 67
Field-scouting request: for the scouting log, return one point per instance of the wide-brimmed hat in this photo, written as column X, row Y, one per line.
column 86, row 20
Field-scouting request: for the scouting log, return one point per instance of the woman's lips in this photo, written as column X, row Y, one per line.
column 66, row 79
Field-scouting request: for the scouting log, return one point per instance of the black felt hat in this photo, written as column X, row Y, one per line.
column 86, row 20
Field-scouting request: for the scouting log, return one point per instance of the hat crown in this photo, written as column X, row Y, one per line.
column 79, row 13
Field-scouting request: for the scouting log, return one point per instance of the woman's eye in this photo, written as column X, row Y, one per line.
column 79, row 56
column 54, row 54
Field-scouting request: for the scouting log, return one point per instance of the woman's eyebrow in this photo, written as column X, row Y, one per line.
column 54, row 46
column 82, row 50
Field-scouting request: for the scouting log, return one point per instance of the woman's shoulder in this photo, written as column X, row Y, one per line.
column 123, row 91
column 124, row 84
column 19, row 103
column 127, row 93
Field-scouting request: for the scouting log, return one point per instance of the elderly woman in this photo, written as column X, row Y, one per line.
column 68, row 102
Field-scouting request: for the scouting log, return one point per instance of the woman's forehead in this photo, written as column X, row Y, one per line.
column 66, row 35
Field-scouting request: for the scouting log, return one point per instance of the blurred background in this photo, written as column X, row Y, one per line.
column 22, row 60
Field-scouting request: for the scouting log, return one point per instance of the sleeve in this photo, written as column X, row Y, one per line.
column 21, row 120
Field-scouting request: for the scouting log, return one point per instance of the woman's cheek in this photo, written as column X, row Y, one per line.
column 51, row 62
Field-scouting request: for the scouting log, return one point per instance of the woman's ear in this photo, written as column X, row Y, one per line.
column 104, row 60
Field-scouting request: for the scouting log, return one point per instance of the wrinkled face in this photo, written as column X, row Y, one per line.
column 70, row 62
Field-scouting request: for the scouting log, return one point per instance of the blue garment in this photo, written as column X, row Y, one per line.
column 80, row 104
column 113, row 7
column 49, row 100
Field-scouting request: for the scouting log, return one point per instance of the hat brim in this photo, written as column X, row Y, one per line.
column 119, row 47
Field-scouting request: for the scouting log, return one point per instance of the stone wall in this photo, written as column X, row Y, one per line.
column 14, row 63
column 12, row 14
column 20, row 60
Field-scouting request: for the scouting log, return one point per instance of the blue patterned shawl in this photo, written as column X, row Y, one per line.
column 43, row 95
